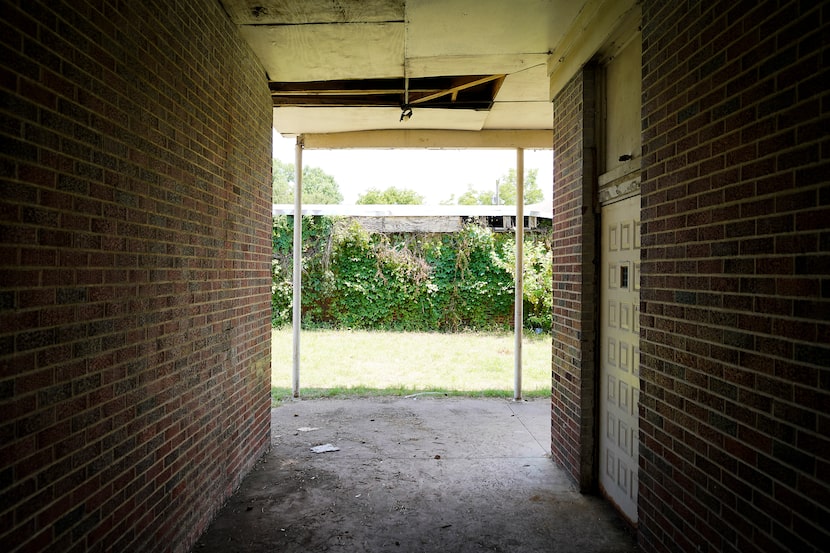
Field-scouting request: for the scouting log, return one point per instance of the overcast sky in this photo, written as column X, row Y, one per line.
column 436, row 174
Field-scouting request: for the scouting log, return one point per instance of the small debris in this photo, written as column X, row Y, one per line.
column 325, row 448
column 307, row 429
column 358, row 495
column 437, row 457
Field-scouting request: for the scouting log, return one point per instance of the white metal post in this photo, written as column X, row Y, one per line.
column 518, row 314
column 298, row 265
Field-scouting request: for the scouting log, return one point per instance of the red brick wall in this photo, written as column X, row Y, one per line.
column 574, row 279
column 134, row 299
column 735, row 299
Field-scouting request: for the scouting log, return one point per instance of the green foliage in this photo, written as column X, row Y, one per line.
column 390, row 196
column 507, row 191
column 507, row 188
column 476, row 197
column 377, row 283
column 317, row 233
column 318, row 186
column 538, row 279
column 472, row 292
column 356, row 279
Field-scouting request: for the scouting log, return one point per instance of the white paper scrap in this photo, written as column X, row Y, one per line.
column 325, row 448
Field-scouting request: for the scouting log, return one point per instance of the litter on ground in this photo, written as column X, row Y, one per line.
column 325, row 448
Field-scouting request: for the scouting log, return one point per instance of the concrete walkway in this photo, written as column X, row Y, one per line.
column 422, row 474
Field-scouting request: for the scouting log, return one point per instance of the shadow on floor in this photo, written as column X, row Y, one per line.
column 421, row 474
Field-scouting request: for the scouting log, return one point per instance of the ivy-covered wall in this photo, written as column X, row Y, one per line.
column 448, row 282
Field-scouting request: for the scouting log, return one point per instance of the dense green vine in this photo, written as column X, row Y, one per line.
column 356, row 279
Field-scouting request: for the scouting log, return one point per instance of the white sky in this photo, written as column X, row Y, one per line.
column 436, row 174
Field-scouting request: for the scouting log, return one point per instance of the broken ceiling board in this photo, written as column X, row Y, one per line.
column 292, row 12
column 520, row 115
column 296, row 120
column 475, row 27
column 328, row 52
column 431, row 139
column 530, row 85
column 476, row 92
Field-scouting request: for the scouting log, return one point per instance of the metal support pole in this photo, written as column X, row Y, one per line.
column 518, row 315
column 298, row 265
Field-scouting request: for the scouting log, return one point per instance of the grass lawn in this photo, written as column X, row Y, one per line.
column 343, row 362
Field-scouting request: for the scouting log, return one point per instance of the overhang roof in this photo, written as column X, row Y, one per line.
column 347, row 66
column 464, row 66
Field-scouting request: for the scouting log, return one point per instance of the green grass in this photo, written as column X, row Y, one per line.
column 362, row 363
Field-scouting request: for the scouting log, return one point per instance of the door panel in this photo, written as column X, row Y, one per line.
column 620, row 353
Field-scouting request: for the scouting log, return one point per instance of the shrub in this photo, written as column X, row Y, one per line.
column 356, row 279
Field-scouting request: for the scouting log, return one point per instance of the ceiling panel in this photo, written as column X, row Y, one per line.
column 520, row 115
column 528, row 85
column 283, row 12
column 328, row 52
column 484, row 64
column 477, row 27
column 293, row 120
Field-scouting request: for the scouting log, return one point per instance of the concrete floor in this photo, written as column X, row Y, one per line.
column 417, row 474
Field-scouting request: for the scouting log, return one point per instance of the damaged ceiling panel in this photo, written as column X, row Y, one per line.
column 475, row 92
column 356, row 65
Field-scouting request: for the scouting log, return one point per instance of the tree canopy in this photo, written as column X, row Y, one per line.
column 390, row 196
column 318, row 186
column 507, row 191
column 476, row 197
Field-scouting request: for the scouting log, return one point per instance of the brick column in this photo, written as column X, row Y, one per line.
column 573, row 428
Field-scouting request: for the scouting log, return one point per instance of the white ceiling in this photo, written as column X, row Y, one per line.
column 323, row 40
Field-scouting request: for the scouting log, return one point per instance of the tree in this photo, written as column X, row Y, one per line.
column 318, row 187
column 390, row 196
column 282, row 182
column 507, row 188
column 475, row 197
column 507, row 191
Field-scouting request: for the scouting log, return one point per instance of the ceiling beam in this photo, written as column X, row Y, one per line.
column 431, row 139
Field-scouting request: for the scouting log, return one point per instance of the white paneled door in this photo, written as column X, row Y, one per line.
column 620, row 353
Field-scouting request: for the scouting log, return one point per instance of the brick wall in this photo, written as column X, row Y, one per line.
column 734, row 418
column 574, row 279
column 134, row 291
